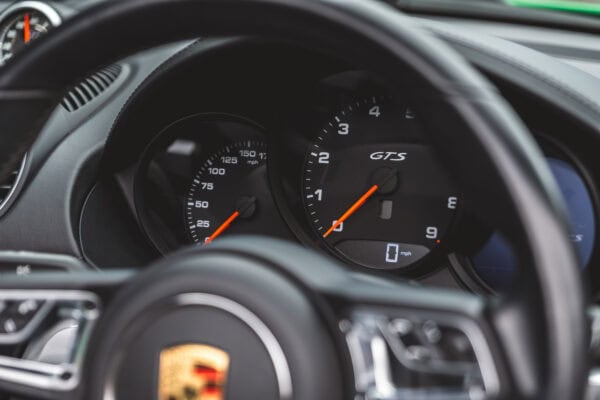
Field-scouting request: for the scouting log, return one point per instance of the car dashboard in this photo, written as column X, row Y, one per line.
column 187, row 143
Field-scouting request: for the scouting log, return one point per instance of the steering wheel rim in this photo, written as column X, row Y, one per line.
column 31, row 85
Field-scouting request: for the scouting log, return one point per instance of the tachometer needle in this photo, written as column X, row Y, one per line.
column 353, row 208
column 26, row 29
column 222, row 227
column 245, row 209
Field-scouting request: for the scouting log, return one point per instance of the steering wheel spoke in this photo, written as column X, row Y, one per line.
column 52, row 325
column 46, row 319
column 406, row 341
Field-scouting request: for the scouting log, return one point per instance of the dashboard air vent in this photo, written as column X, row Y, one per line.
column 7, row 186
column 90, row 88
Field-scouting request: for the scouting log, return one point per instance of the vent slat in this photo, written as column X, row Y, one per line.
column 81, row 95
column 105, row 77
column 85, row 86
column 75, row 99
column 97, row 88
column 90, row 88
column 68, row 104
column 99, row 82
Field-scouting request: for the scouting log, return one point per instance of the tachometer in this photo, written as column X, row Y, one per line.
column 373, row 189
column 228, row 189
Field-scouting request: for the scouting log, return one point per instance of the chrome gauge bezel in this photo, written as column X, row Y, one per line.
column 48, row 11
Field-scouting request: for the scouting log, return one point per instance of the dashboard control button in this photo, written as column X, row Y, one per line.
column 432, row 332
column 401, row 326
column 17, row 314
column 9, row 325
column 455, row 346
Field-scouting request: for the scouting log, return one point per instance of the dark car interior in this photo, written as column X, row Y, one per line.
column 299, row 199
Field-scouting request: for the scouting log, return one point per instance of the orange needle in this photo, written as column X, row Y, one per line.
column 222, row 228
column 352, row 209
column 27, row 30
column 244, row 210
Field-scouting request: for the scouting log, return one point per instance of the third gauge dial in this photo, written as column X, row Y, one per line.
column 24, row 26
column 373, row 189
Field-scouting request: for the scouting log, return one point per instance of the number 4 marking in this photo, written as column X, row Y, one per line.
column 375, row 111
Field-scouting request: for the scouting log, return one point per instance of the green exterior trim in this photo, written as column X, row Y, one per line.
column 559, row 5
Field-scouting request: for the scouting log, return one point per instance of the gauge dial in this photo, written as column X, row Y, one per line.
column 23, row 26
column 228, row 191
column 496, row 262
column 373, row 190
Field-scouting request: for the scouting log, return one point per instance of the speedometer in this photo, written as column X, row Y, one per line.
column 227, row 190
column 373, row 190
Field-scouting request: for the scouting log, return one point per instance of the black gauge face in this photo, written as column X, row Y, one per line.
column 20, row 30
column 373, row 190
column 227, row 192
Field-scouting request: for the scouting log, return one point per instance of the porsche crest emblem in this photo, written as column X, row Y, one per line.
column 192, row 372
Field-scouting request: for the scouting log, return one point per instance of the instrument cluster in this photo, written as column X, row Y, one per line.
column 345, row 168
column 364, row 185
column 372, row 191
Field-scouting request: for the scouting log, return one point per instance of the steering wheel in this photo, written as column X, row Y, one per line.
column 272, row 320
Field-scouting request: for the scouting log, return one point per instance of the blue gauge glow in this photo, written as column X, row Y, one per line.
column 495, row 262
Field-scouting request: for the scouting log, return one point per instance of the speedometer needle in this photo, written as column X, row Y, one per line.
column 222, row 227
column 245, row 209
column 353, row 208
